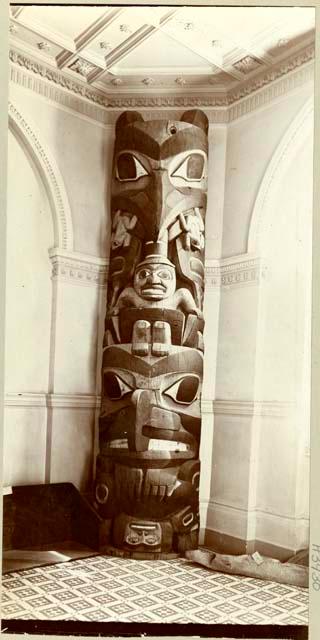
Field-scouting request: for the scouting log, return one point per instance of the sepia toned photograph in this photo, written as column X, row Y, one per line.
column 158, row 307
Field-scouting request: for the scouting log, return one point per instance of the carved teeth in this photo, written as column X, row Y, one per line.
column 119, row 443
column 167, row 445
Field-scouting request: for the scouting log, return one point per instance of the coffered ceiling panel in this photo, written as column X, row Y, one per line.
column 58, row 22
column 161, row 54
column 139, row 48
column 34, row 42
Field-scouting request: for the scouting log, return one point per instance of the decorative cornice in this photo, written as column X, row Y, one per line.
column 50, row 91
column 215, row 116
column 58, row 78
column 274, row 74
column 237, row 271
column 83, row 269
column 78, row 268
column 275, row 90
column 223, row 107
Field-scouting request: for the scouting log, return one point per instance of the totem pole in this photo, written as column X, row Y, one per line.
column 147, row 478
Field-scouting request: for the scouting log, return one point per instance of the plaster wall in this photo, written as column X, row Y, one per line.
column 53, row 322
column 252, row 141
column 28, row 304
column 83, row 151
column 28, row 318
column 259, row 489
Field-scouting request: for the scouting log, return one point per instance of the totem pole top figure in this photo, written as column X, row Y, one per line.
column 159, row 193
column 155, row 163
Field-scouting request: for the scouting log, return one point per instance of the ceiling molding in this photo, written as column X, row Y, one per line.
column 229, row 70
column 47, row 33
column 16, row 11
column 133, row 41
column 272, row 92
column 277, row 72
column 124, row 49
column 77, row 94
column 161, row 45
column 66, row 57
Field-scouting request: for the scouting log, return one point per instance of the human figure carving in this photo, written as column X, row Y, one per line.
column 122, row 225
column 192, row 225
column 155, row 287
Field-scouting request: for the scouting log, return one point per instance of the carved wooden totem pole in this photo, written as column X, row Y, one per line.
column 148, row 468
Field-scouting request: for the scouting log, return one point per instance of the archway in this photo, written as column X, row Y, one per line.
column 50, row 175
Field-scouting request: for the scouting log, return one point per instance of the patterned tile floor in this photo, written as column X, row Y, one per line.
column 108, row 589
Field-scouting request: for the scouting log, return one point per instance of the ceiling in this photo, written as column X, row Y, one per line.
column 159, row 49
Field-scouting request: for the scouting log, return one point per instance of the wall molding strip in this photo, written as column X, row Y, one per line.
column 52, row 400
column 208, row 406
column 78, row 268
column 239, row 271
column 84, row 269
column 270, row 409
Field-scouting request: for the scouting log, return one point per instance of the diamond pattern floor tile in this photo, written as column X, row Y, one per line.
column 109, row 589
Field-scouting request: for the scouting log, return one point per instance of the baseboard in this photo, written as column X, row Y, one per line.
column 273, row 530
column 223, row 543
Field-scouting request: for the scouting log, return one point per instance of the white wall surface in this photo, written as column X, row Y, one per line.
column 261, row 425
column 28, row 317
column 251, row 142
column 54, row 325
column 28, row 303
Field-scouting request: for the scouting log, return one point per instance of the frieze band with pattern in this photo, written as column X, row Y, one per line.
column 148, row 468
column 237, row 101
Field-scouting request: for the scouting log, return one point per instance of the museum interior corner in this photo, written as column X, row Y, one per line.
column 158, row 315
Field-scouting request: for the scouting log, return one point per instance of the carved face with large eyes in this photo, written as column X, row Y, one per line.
column 151, row 406
column 155, row 280
column 160, row 170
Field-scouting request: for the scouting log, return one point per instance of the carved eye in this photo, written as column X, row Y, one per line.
column 129, row 168
column 114, row 387
column 185, row 390
column 144, row 273
column 192, row 168
column 164, row 274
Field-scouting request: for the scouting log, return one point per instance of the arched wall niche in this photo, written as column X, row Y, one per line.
column 50, row 176
column 49, row 399
column 293, row 139
column 281, row 234
column 29, row 234
column 259, row 484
